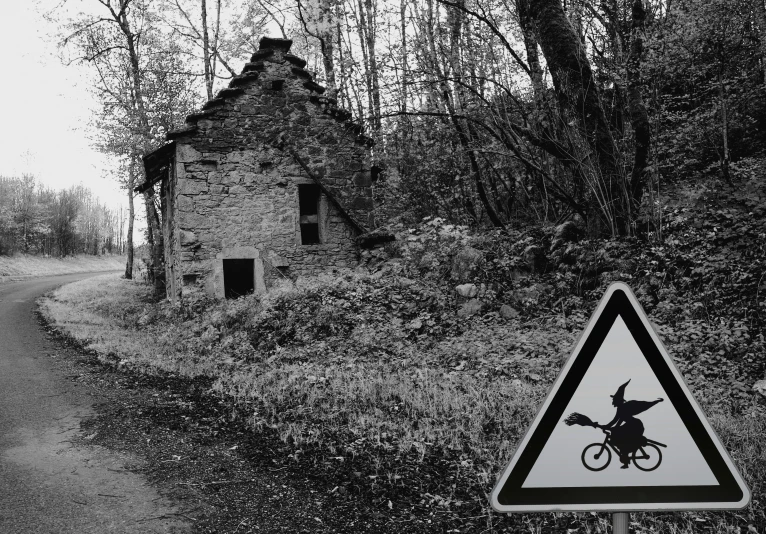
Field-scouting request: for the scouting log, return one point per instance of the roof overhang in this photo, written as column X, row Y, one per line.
column 156, row 165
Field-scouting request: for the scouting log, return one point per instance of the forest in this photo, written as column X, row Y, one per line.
column 532, row 152
column 35, row 219
column 489, row 113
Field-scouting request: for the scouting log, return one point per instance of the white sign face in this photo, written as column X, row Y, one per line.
column 619, row 430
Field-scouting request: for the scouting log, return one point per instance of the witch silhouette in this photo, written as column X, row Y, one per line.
column 627, row 432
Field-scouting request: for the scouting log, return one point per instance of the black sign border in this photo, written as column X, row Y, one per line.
column 727, row 490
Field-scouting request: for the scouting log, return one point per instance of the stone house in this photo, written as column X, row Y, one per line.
column 270, row 179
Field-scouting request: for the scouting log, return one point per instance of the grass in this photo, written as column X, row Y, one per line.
column 402, row 390
column 24, row 266
column 311, row 401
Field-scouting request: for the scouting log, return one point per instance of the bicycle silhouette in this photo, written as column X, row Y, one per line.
column 647, row 457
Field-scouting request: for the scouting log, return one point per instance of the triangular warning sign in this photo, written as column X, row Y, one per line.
column 619, row 430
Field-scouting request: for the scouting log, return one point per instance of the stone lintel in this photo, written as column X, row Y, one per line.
column 230, row 91
column 275, row 44
column 215, row 102
column 302, row 73
column 295, row 60
column 175, row 134
column 243, row 79
column 262, row 54
column 194, row 117
column 313, row 86
column 254, row 66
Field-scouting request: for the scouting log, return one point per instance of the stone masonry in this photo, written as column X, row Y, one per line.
column 229, row 180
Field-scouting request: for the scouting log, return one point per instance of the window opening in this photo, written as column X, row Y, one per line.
column 238, row 277
column 308, row 200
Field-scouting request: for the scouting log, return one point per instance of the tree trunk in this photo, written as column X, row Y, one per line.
column 206, row 52
column 533, row 58
column 373, row 64
column 150, row 243
column 328, row 62
column 131, row 217
column 156, row 246
column 145, row 131
column 455, row 19
column 403, row 24
column 639, row 116
column 327, row 43
column 578, row 94
column 319, row 22
column 724, row 130
column 575, row 15
column 465, row 141
column 760, row 8
column 367, row 36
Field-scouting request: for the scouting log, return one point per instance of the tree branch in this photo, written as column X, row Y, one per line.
column 493, row 28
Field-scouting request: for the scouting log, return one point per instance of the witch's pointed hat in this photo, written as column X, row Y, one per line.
column 620, row 395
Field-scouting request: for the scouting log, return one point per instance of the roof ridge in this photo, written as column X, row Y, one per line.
column 269, row 46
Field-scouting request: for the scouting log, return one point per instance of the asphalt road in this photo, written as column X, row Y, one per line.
column 48, row 484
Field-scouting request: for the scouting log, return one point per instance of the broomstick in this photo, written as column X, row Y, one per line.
column 579, row 419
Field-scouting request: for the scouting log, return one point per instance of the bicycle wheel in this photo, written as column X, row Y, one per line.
column 650, row 458
column 596, row 456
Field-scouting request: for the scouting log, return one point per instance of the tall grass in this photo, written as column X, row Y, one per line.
column 468, row 392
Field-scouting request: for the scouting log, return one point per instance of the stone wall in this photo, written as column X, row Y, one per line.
column 237, row 167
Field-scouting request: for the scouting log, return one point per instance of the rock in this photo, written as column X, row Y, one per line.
column 188, row 238
column 192, row 187
column 472, row 307
column 428, row 261
column 467, row 290
column 507, row 312
column 531, row 293
column 535, row 258
column 186, row 154
column 415, row 324
column 392, row 267
column 760, row 387
column 567, row 232
column 466, row 263
column 516, row 274
column 374, row 239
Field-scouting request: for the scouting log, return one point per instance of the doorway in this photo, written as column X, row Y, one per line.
column 238, row 277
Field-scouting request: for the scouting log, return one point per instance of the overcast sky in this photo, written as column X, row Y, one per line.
column 46, row 107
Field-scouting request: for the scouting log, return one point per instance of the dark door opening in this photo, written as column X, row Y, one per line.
column 238, row 277
column 308, row 200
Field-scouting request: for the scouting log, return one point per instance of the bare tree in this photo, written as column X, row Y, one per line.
column 318, row 20
column 141, row 88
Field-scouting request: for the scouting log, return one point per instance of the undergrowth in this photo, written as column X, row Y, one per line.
column 376, row 364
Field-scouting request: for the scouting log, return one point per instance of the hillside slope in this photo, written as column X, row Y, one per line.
column 389, row 381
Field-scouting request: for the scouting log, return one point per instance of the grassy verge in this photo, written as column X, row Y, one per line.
column 378, row 369
column 23, row 266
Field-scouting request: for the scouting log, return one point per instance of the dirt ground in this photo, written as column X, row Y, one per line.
column 222, row 476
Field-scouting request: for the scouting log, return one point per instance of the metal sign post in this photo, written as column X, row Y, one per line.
column 620, row 522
